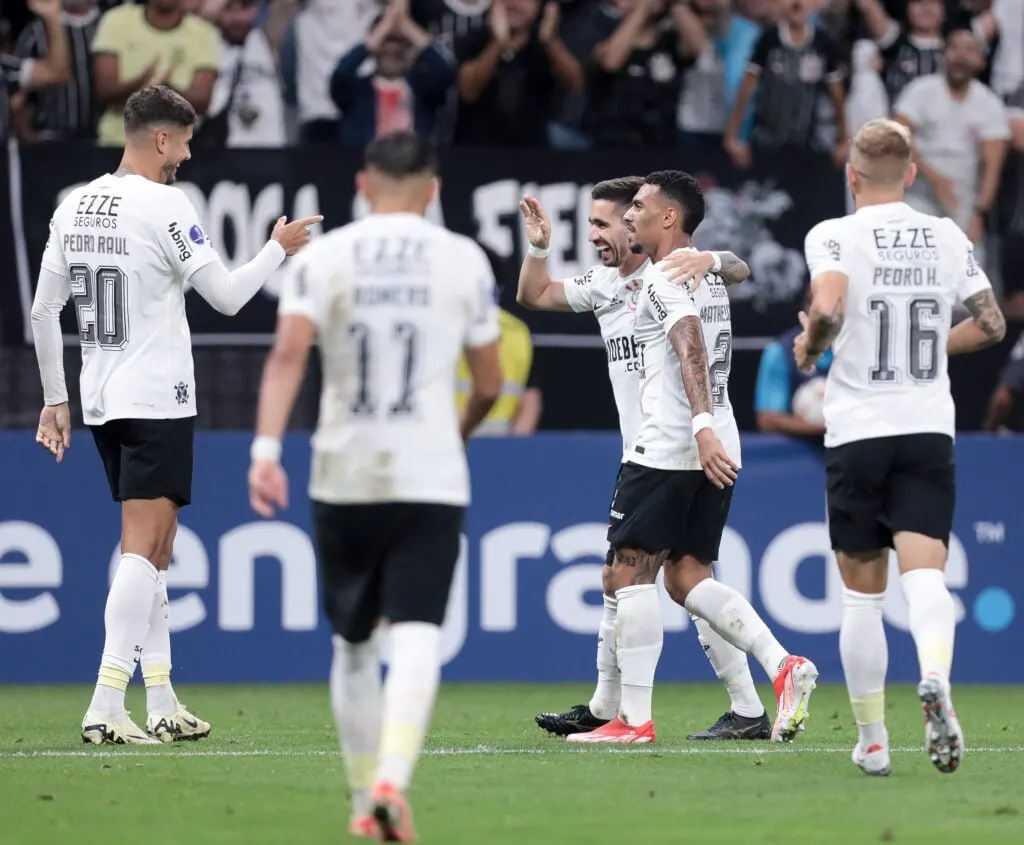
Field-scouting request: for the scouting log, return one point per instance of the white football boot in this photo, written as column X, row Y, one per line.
column 114, row 730
column 178, row 726
column 874, row 761
column 943, row 735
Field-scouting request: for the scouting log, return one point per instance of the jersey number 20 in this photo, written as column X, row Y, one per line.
column 101, row 300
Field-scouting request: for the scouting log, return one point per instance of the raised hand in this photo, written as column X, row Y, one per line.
column 295, row 235
column 538, row 226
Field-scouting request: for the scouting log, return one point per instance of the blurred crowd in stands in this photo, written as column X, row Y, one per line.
column 749, row 76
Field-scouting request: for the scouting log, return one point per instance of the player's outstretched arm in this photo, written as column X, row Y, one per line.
column 688, row 268
column 986, row 327
column 536, row 288
column 228, row 291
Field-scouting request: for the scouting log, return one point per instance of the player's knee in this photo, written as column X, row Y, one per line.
column 147, row 529
column 683, row 575
column 918, row 551
column 864, row 572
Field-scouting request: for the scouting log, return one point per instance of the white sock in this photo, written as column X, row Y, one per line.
column 732, row 668
column 156, row 655
column 356, row 702
column 737, row 622
column 414, row 673
column 605, row 702
column 932, row 620
column 638, row 640
column 865, row 656
column 129, row 605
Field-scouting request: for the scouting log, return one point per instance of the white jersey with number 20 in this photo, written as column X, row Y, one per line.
column 125, row 247
column 889, row 367
column 394, row 299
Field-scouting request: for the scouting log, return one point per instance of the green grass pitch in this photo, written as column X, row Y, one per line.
column 270, row 773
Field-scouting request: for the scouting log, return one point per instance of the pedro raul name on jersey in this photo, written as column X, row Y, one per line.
column 889, row 365
column 613, row 299
column 666, row 438
column 125, row 247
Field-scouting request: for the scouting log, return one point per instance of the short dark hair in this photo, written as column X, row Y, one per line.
column 157, row 104
column 684, row 190
column 619, row 191
column 401, row 154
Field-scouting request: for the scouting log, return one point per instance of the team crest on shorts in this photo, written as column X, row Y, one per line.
column 181, row 392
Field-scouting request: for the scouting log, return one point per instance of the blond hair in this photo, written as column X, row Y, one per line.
column 881, row 151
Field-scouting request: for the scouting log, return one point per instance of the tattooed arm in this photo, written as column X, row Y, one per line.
column 687, row 339
column 986, row 327
column 733, row 270
column 827, row 315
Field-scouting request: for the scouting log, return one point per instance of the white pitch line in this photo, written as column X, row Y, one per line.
column 479, row 750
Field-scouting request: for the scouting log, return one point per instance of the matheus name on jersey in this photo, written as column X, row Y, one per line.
column 126, row 247
column 394, row 299
column 889, row 366
column 613, row 299
column 666, row 438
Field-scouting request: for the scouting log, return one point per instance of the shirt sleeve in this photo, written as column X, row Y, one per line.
column 182, row 240
column 772, row 390
column 15, row 72
column 53, row 253
column 996, row 124
column 482, row 327
column 668, row 302
column 579, row 292
column 911, row 102
column 972, row 279
column 759, row 58
column 109, row 33
column 207, row 47
column 303, row 293
column 833, row 67
column 823, row 251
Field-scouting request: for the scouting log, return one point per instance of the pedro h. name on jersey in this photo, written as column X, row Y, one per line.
column 613, row 299
column 126, row 247
column 394, row 299
column 889, row 373
column 666, row 439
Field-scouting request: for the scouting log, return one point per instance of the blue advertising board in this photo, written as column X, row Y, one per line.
column 526, row 601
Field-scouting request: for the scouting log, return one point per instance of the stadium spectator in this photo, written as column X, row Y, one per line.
column 778, row 383
column 636, row 72
column 1001, row 28
column 318, row 37
column 517, row 410
column 793, row 64
column 509, row 75
column 155, row 42
column 1006, row 407
column 395, row 80
column 19, row 73
column 710, row 86
column 66, row 111
column 909, row 50
column 1010, row 218
column 247, row 109
column 961, row 132
column 450, row 20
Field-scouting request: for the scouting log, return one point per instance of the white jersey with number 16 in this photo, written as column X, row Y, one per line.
column 889, row 367
column 394, row 299
column 125, row 247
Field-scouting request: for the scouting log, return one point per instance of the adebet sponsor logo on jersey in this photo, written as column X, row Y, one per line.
column 514, row 562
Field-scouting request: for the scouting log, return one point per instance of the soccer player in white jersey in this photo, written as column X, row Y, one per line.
column 673, row 494
column 123, row 248
column 884, row 283
column 393, row 300
column 610, row 291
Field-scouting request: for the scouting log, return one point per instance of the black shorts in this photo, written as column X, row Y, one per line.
column 678, row 511
column 880, row 486
column 393, row 560
column 148, row 459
